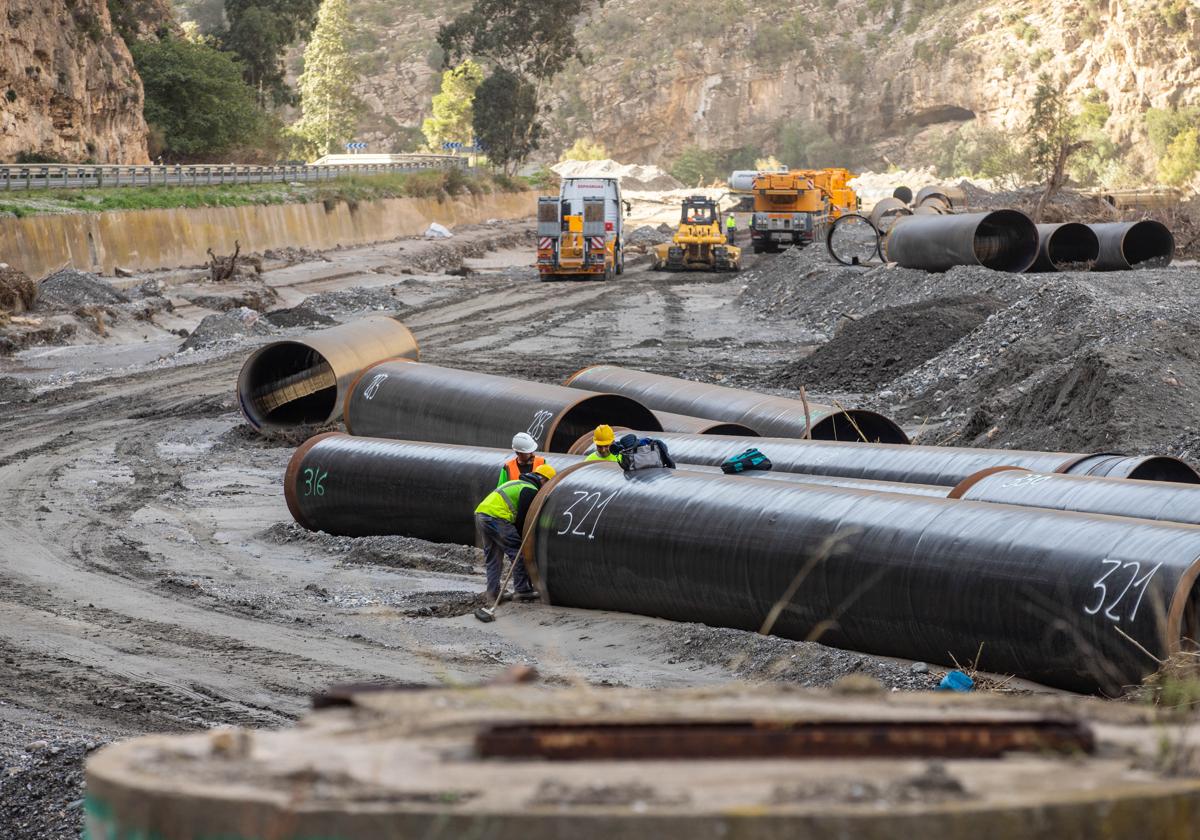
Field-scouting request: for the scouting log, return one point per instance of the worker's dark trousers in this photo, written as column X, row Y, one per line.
column 500, row 539
column 731, row 236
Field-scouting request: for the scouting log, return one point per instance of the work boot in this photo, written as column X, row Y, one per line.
column 527, row 595
column 491, row 597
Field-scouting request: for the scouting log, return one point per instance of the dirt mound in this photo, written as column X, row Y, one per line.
column 873, row 350
column 396, row 552
column 259, row 297
column 70, row 289
column 633, row 176
column 17, row 291
column 225, row 328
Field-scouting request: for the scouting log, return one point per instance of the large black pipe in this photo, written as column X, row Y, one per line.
column 1127, row 245
column 1003, row 240
column 699, row 426
column 912, row 464
column 358, row 487
column 1164, row 501
column 950, row 196
column 1041, row 594
column 885, row 213
column 766, row 415
column 303, row 381
column 413, row 401
column 1066, row 247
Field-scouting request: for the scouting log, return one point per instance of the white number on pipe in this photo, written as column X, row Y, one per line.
column 539, row 423
column 579, row 511
column 1133, row 584
column 1026, row 480
column 369, row 394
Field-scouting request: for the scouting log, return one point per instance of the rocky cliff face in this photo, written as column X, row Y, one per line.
column 883, row 78
column 68, row 88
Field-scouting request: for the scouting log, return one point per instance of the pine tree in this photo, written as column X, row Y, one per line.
column 329, row 108
column 452, row 108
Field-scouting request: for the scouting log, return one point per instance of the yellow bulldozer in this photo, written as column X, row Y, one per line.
column 700, row 243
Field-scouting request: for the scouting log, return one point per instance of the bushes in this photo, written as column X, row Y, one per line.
column 696, row 166
column 1175, row 138
column 981, row 151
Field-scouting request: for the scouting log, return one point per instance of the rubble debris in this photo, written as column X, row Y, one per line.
column 17, row 292
column 226, row 328
column 233, row 267
column 68, row 289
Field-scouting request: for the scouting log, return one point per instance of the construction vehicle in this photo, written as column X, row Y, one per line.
column 700, row 243
column 834, row 184
column 789, row 208
column 580, row 233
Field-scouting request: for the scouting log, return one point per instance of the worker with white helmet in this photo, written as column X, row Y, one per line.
column 525, row 458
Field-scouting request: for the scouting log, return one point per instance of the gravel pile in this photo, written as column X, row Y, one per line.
column 226, row 328
column 335, row 307
column 397, row 552
column 70, row 289
column 41, row 792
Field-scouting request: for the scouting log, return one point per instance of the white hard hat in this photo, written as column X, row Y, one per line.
column 524, row 443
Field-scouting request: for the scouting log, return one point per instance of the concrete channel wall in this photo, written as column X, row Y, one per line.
column 141, row 240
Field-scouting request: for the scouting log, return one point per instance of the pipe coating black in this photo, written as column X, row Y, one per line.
column 304, row 381
column 1003, row 240
column 357, row 487
column 766, row 415
column 413, row 401
column 1041, row 593
column 1127, row 245
column 941, row 465
column 1066, row 247
column 699, row 426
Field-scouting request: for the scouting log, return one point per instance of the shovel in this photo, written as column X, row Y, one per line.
column 488, row 614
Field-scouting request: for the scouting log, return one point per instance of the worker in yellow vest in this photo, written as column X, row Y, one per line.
column 603, row 438
column 500, row 519
column 525, row 458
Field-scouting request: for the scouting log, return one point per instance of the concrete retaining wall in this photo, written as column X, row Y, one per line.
column 147, row 239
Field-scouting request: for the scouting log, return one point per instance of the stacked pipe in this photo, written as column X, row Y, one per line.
column 1072, row 600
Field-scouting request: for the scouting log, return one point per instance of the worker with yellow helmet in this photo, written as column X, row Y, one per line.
column 499, row 520
column 603, row 438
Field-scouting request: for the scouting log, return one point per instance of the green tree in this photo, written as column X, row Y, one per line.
column 196, row 99
column 527, row 42
column 695, row 167
column 328, row 106
column 259, row 33
column 585, row 149
column 453, row 112
column 505, row 118
column 1182, row 159
column 1173, row 135
column 808, row 146
column 1052, row 138
column 1098, row 160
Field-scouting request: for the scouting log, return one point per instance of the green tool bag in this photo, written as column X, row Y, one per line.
column 751, row 459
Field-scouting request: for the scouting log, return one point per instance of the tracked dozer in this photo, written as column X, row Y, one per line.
column 699, row 244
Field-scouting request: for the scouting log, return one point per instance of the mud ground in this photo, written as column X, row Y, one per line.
column 153, row 580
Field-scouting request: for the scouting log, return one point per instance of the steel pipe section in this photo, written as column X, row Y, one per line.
column 913, row 464
column 413, row 401
column 766, row 415
column 949, row 196
column 358, row 487
column 698, row 426
column 1158, row 500
column 1066, row 247
column 885, row 213
column 1128, row 245
column 1002, row 240
column 1044, row 592
column 304, row 381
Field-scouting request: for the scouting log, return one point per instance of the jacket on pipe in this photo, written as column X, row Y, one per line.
column 415, row 401
column 929, row 579
column 357, row 486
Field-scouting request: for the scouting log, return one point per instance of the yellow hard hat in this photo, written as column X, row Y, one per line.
column 603, row 436
column 545, row 471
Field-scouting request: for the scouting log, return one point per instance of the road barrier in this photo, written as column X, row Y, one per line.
column 43, row 176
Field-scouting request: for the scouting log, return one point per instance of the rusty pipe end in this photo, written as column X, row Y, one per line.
column 589, row 411
column 529, row 534
column 354, row 385
column 959, row 490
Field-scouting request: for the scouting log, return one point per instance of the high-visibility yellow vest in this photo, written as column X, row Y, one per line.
column 596, row 456
column 502, row 502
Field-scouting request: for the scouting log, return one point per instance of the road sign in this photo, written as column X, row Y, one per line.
column 354, row 147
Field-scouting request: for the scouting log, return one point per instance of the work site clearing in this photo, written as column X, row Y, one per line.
column 155, row 581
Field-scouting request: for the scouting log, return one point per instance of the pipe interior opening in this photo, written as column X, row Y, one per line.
column 1148, row 244
column 1006, row 240
column 287, row 384
column 1073, row 247
column 611, row 409
column 730, row 430
column 874, row 427
column 1164, row 469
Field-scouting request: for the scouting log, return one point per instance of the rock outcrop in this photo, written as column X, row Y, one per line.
column 68, row 88
column 884, row 76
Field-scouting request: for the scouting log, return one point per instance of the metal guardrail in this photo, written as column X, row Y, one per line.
column 41, row 176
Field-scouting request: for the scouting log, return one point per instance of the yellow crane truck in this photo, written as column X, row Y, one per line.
column 793, row 208
column 699, row 244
